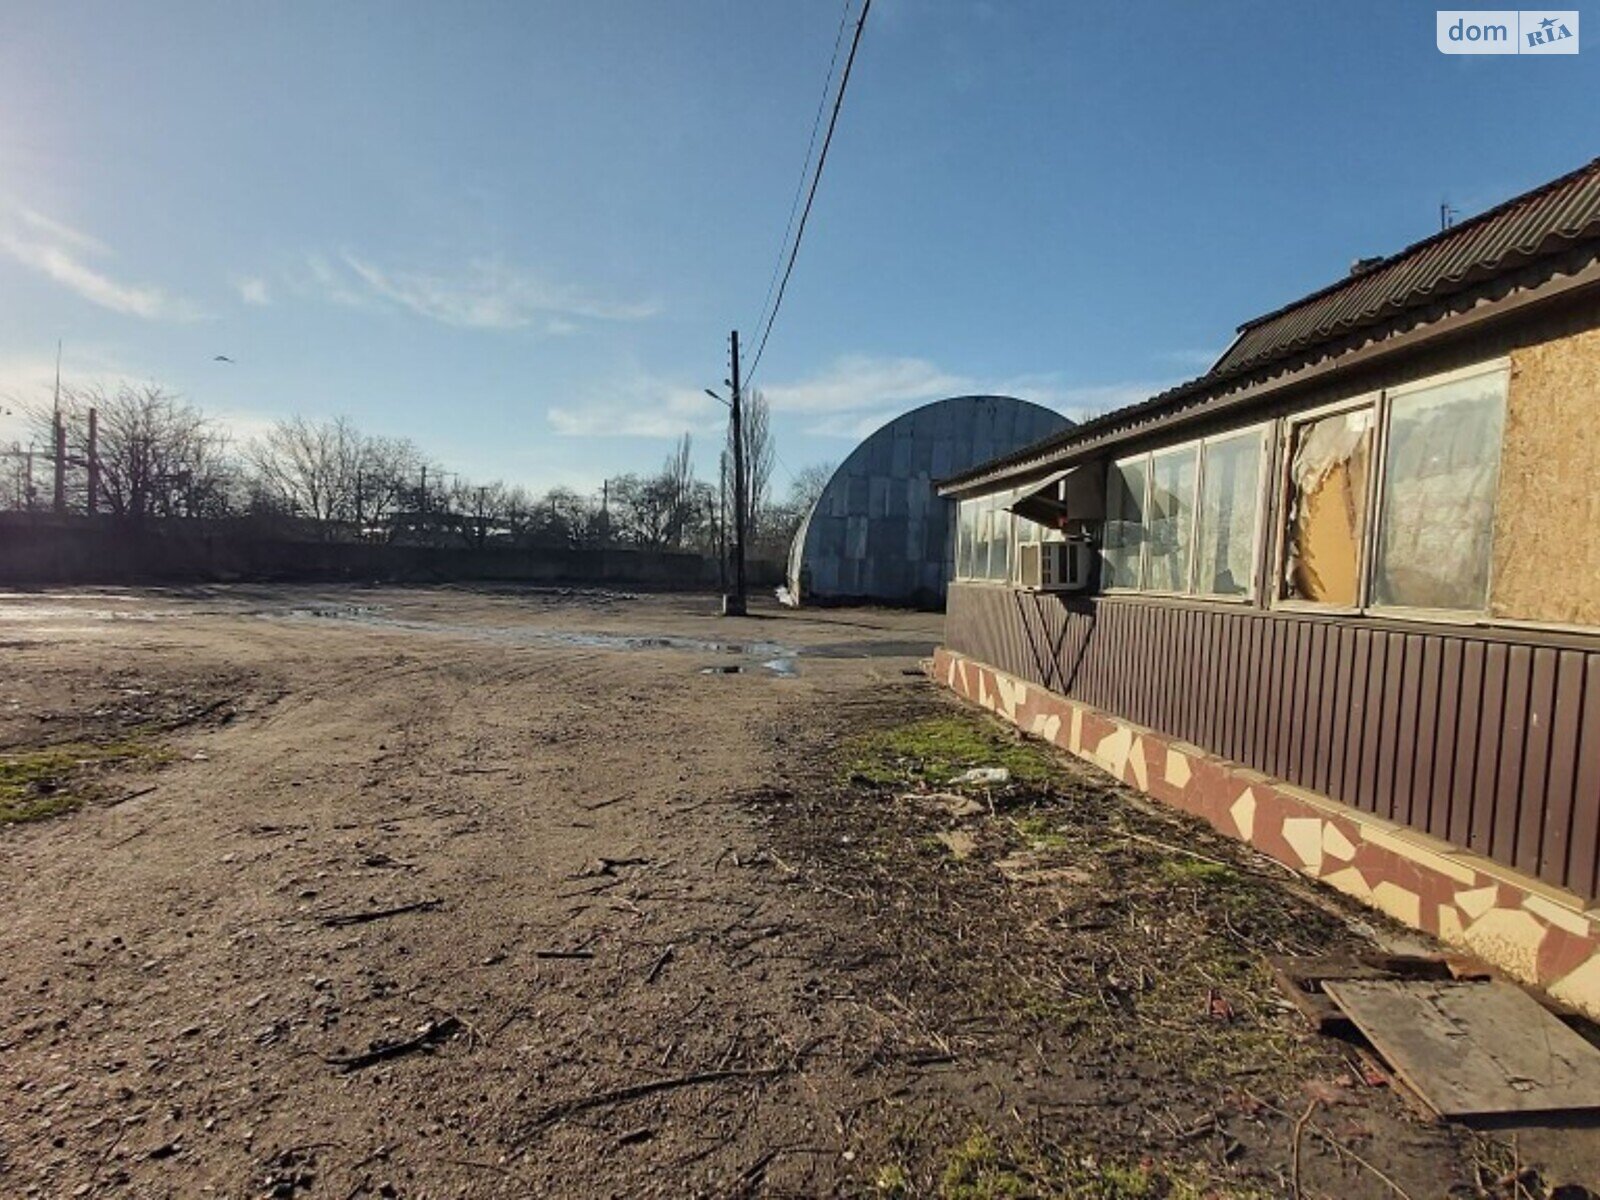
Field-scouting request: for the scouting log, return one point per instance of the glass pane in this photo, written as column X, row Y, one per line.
column 1329, row 460
column 1170, row 519
column 1226, row 541
column 1124, row 531
column 1000, row 547
column 980, row 538
column 966, row 513
column 1441, row 472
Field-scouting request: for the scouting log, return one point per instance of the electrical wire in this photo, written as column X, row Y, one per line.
column 805, row 167
column 811, row 196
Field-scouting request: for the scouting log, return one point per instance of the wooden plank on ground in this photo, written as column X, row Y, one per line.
column 1473, row 1049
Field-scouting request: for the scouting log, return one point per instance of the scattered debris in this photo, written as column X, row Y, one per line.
column 1301, row 979
column 1473, row 1049
column 360, row 918
column 431, row 1034
column 987, row 776
column 960, row 843
column 636, row 1091
column 608, row 866
column 660, row 964
column 953, row 803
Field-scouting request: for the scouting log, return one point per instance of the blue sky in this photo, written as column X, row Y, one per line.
column 518, row 233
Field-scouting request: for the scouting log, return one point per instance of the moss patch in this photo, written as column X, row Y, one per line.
column 984, row 1168
column 35, row 784
column 935, row 750
column 1190, row 871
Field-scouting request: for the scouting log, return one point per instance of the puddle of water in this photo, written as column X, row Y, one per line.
column 784, row 668
column 866, row 649
column 772, row 657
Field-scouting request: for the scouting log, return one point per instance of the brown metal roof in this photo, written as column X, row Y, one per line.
column 1558, row 212
column 1546, row 220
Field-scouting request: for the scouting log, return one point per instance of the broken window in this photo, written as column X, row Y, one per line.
column 1328, row 470
column 1230, row 501
column 1440, row 475
column 1170, row 518
column 1123, row 537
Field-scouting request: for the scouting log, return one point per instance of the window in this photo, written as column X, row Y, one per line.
column 1170, row 519
column 1440, row 473
column 1000, row 539
column 1228, row 517
column 966, row 533
column 1185, row 520
column 1123, row 537
column 1329, row 460
column 1432, row 500
column 983, row 538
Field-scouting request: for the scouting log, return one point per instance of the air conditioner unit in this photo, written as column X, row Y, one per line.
column 1054, row 566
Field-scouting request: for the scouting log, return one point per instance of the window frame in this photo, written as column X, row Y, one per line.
column 990, row 511
column 1263, row 430
column 1136, row 589
column 1280, row 551
column 1451, row 616
column 1380, row 402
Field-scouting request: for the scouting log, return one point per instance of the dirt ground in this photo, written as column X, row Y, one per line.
column 490, row 892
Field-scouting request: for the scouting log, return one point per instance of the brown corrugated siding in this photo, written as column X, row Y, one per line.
column 1493, row 745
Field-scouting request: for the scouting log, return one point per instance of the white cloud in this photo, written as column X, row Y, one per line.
column 853, row 427
column 253, row 290
column 640, row 407
column 859, row 381
column 849, row 400
column 486, row 294
column 858, row 393
column 1079, row 401
column 57, row 251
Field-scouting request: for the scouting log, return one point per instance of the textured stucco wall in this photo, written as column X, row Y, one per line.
column 880, row 532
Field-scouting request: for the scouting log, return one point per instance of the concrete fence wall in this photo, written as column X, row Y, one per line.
column 34, row 554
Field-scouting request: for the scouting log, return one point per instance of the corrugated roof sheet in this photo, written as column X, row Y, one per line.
column 1558, row 212
column 1546, row 220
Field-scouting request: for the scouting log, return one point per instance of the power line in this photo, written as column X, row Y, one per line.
column 822, row 158
column 805, row 167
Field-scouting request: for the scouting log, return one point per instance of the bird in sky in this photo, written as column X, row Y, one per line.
column 222, row 358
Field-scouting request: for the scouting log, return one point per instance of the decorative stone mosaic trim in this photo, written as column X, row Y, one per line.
column 1533, row 932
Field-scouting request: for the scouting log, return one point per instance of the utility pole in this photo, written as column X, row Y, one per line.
column 734, row 605
column 60, row 432
column 94, row 461
column 722, row 522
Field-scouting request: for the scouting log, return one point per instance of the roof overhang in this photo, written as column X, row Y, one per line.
column 1045, row 501
column 1208, row 399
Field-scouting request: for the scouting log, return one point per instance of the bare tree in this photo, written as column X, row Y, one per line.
column 332, row 473
column 759, row 456
column 158, row 456
column 562, row 517
column 806, row 488
column 677, row 480
column 309, row 466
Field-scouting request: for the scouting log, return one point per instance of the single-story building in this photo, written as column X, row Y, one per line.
column 1340, row 596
